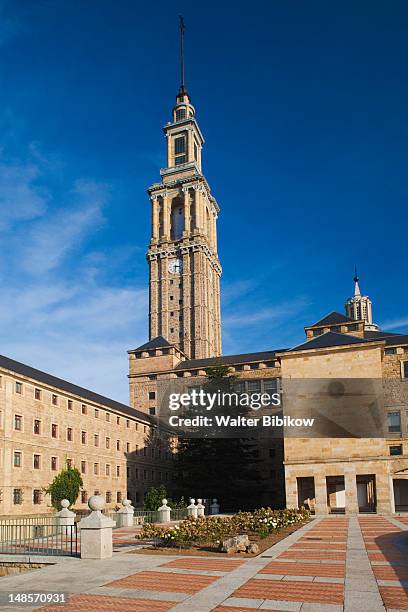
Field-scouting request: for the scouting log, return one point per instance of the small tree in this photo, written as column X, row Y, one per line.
column 154, row 496
column 66, row 485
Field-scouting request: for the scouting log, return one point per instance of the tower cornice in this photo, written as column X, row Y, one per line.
column 160, row 189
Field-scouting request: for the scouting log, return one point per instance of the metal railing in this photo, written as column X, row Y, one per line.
column 48, row 537
column 178, row 514
column 145, row 516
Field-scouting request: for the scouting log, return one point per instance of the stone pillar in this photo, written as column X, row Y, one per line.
column 155, row 217
column 350, row 486
column 65, row 518
column 192, row 508
column 124, row 517
column 96, row 531
column 200, row 508
column 164, row 512
column 166, row 216
column 198, row 212
column 187, row 223
column 321, row 495
column 215, row 507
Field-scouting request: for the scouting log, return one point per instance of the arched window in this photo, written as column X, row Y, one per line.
column 177, row 221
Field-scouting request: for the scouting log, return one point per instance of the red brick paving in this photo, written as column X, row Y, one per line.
column 313, row 554
column 394, row 597
column 389, row 557
column 104, row 603
column 293, row 590
column 319, row 545
column 389, row 572
column 164, row 581
column 332, row 570
column 221, row 565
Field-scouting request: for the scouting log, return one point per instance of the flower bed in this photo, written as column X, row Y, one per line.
column 210, row 531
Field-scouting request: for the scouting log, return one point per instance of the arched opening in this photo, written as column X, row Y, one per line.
column 177, row 220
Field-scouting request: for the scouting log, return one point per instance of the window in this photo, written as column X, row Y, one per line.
column 69, row 434
column 84, row 497
column 54, row 399
column 69, row 464
column 37, row 394
column 96, row 440
column 118, row 497
column 181, row 159
column 127, row 447
column 396, row 450
column 37, row 427
column 405, row 369
column 83, row 467
column 390, row 351
column 254, row 366
column 83, row 409
column 270, row 386
column 152, row 411
column 127, row 423
column 17, row 497
column 107, row 469
column 18, row 422
column 117, row 444
column 19, row 389
column 36, row 462
column 37, row 496
column 118, row 470
column 70, row 405
column 107, row 442
column 107, row 416
column 53, row 463
column 180, row 145
column 17, row 459
column 54, row 430
column 96, row 469
column 83, row 437
column 180, row 114
column 108, row 497
column 96, row 413
column 117, row 420
column 254, row 386
column 394, row 422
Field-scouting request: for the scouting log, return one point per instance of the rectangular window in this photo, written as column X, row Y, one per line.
column 96, row 440
column 37, row 394
column 69, row 464
column 83, row 467
column 396, row 449
column 54, row 430
column 254, row 386
column 405, row 369
column 17, row 459
column 127, row 423
column 53, row 463
column 152, row 395
column 17, row 497
column 107, row 442
column 136, row 473
column 84, row 497
column 37, row 427
column 118, row 470
column 96, row 413
column 118, row 497
column 70, row 405
column 127, row 447
column 180, row 159
column 180, row 145
column 394, row 422
column 83, row 437
column 54, row 399
column 108, row 497
column 96, row 469
column 36, row 462
column 270, row 386
column 69, row 434
column 37, row 495
column 117, row 420
column 152, row 411
column 107, row 469
column 117, row 444
column 19, row 388
column 107, row 416
column 180, row 114
column 390, row 351
column 83, row 409
column 18, row 422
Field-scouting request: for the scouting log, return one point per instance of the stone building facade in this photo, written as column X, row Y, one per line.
column 47, row 423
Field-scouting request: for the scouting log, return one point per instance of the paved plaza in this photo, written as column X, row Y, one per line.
column 333, row 564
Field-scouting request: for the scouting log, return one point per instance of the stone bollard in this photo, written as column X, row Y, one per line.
column 124, row 516
column 200, row 508
column 164, row 512
column 192, row 508
column 96, row 531
column 215, row 507
column 65, row 518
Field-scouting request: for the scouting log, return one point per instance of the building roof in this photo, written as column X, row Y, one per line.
column 333, row 318
column 155, row 343
column 227, row 360
column 52, row 381
column 379, row 334
column 329, row 339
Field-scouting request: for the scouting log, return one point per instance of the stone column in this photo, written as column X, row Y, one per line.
column 164, row 512
column 200, row 508
column 350, row 486
column 198, row 214
column 155, row 217
column 192, row 508
column 96, row 531
column 65, row 518
column 215, row 507
column 125, row 514
column 321, row 495
column 166, row 216
column 187, row 222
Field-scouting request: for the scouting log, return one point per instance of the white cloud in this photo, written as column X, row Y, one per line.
column 20, row 198
column 395, row 324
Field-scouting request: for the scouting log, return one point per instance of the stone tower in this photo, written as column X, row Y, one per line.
column 359, row 307
column 184, row 283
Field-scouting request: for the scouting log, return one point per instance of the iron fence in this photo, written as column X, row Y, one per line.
column 43, row 536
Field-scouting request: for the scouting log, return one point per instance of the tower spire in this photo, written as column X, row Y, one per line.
column 356, row 285
column 182, row 89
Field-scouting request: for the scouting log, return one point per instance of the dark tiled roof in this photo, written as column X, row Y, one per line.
column 333, row 318
column 63, row 385
column 395, row 339
column 378, row 334
column 227, row 360
column 158, row 342
column 330, row 339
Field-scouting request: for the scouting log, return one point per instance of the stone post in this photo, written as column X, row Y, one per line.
column 124, row 516
column 200, row 508
column 96, row 531
column 65, row 518
column 215, row 506
column 164, row 512
column 192, row 508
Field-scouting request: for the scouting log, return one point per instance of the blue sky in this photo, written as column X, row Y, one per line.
column 304, row 111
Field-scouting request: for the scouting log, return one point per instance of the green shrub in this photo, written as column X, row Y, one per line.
column 66, row 485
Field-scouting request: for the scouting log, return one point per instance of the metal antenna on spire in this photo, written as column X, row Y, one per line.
column 355, row 274
column 182, row 29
